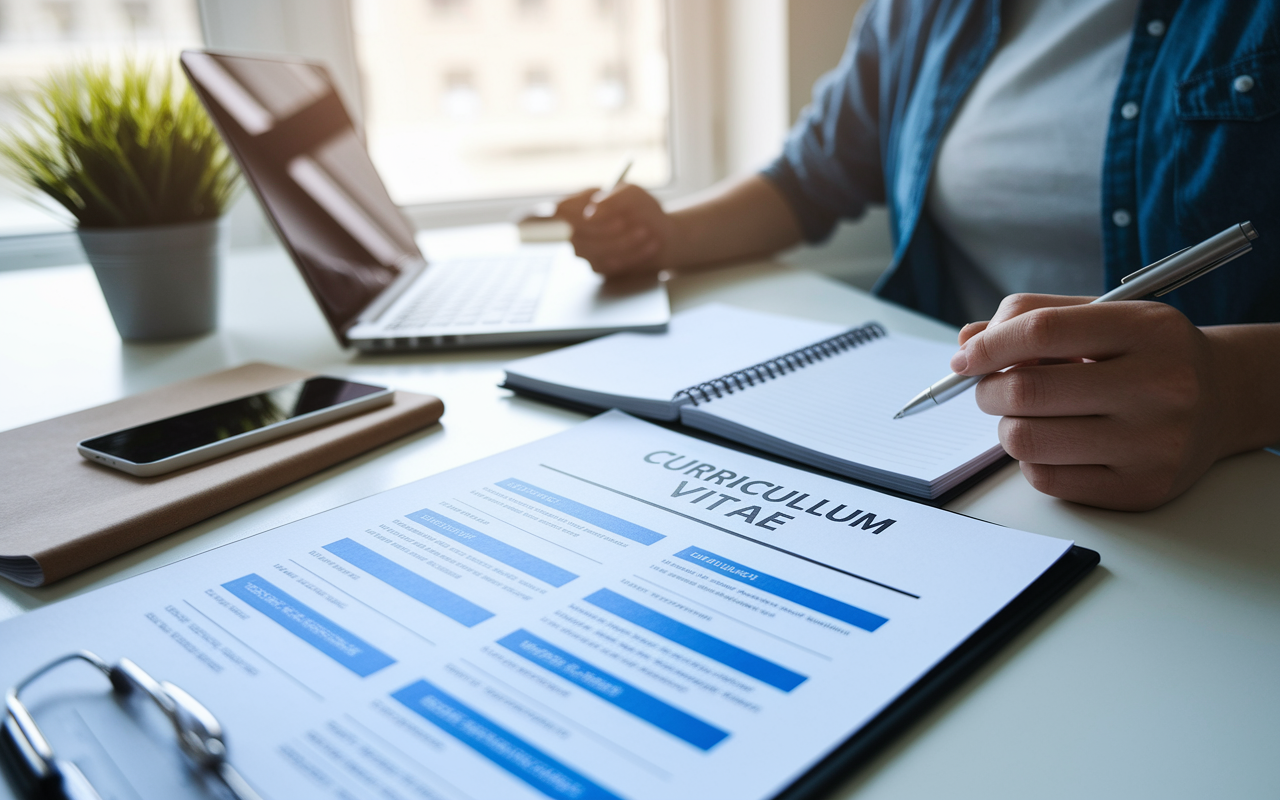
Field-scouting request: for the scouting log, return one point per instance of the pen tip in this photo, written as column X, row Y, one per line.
column 899, row 415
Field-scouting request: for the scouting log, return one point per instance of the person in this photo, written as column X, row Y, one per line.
column 1036, row 150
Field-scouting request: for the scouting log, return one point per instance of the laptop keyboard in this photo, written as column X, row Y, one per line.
column 477, row 290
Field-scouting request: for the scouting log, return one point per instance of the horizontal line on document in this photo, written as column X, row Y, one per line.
column 522, row 530
column 731, row 617
column 329, row 768
column 408, row 758
column 735, row 533
column 648, row 765
column 255, row 652
column 491, row 547
column 615, row 690
column 763, row 669
column 366, row 605
column 409, row 582
column 345, row 647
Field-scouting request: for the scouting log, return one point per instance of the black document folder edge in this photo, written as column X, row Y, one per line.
column 839, row 765
column 936, row 502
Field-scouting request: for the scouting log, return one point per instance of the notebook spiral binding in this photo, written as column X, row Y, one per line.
column 781, row 365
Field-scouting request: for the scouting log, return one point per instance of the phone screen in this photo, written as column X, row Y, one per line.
column 168, row 437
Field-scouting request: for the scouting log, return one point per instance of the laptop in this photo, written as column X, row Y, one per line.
column 286, row 126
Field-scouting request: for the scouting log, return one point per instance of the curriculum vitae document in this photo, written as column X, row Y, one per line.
column 618, row 611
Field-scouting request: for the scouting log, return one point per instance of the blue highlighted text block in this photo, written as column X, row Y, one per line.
column 678, row 723
column 808, row 598
column 730, row 655
column 573, row 508
column 429, row 593
column 483, row 543
column 499, row 745
column 315, row 629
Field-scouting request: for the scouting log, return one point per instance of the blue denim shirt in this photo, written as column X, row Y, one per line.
column 1203, row 152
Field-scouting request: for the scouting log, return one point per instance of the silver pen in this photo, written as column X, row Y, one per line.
column 1157, row 279
column 622, row 174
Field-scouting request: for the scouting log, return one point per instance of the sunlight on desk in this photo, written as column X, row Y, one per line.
column 1154, row 677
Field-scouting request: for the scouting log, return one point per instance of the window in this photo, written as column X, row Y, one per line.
column 438, row 85
column 448, row 8
column 38, row 37
column 538, row 96
column 460, row 99
column 611, row 89
column 138, row 15
column 514, row 99
column 532, row 8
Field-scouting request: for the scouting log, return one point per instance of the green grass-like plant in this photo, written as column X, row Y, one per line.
column 122, row 147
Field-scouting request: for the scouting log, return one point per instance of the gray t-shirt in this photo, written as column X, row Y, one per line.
column 1017, row 185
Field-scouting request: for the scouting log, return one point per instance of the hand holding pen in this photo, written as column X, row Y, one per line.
column 1118, row 403
column 620, row 229
column 1155, row 279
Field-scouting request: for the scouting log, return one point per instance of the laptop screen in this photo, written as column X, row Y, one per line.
column 296, row 144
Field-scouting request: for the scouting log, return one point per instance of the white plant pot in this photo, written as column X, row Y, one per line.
column 161, row 281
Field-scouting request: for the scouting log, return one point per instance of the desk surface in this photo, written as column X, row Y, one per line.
column 1156, row 677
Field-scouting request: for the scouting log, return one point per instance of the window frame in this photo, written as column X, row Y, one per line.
column 324, row 30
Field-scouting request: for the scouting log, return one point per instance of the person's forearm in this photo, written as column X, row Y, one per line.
column 1248, row 359
column 739, row 220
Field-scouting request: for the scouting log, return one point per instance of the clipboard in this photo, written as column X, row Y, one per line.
column 948, row 675
column 953, row 668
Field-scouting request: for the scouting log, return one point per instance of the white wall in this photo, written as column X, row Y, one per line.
column 771, row 52
column 817, row 31
column 754, row 91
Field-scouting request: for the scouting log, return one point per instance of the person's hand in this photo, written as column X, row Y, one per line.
column 620, row 232
column 1112, row 404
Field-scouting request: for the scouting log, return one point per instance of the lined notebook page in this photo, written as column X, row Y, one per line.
column 699, row 345
column 844, row 406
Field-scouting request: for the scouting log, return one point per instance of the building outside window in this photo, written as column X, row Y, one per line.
column 516, row 98
column 460, row 98
column 469, row 107
column 538, row 96
column 611, row 90
column 446, row 8
column 532, row 8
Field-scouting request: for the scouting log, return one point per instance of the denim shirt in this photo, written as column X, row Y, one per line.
column 1202, row 152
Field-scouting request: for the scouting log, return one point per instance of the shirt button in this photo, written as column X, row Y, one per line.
column 1121, row 218
column 1156, row 27
column 1243, row 83
column 1130, row 110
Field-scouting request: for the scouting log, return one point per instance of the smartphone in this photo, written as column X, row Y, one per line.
column 197, row 436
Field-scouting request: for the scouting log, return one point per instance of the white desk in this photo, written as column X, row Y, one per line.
column 1159, row 676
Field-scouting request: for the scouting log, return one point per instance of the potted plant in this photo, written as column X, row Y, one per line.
column 136, row 160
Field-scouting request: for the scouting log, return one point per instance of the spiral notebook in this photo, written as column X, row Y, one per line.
column 815, row 393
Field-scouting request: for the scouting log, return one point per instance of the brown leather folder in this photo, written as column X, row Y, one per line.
column 60, row 514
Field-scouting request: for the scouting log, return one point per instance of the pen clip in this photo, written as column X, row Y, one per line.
column 1206, row 270
column 1152, row 266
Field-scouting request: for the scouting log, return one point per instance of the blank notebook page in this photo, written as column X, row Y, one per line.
column 844, row 406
